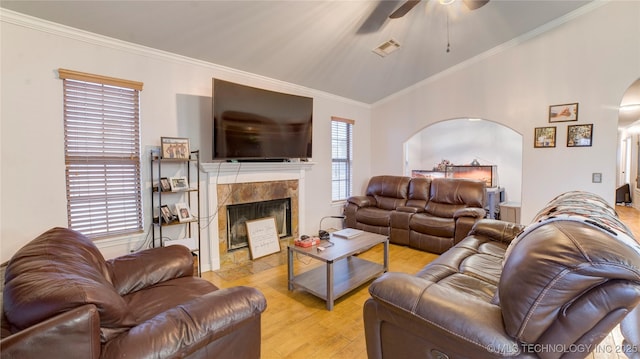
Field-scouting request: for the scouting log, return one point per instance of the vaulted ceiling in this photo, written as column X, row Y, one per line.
column 324, row 45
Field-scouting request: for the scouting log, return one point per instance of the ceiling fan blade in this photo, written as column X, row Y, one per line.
column 475, row 4
column 378, row 16
column 404, row 9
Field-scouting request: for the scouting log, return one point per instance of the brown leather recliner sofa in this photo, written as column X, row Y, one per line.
column 62, row 299
column 630, row 328
column 552, row 289
column 430, row 215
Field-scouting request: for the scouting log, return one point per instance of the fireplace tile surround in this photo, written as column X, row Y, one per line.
column 232, row 183
column 236, row 193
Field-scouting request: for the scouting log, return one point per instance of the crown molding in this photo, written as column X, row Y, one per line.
column 226, row 73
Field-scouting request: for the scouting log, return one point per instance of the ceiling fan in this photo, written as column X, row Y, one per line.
column 385, row 7
column 410, row 4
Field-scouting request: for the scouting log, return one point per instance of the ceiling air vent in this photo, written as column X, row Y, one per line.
column 387, row 47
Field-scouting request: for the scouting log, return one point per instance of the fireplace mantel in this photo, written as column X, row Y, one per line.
column 220, row 173
column 241, row 168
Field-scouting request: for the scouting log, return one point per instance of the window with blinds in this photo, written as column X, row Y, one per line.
column 341, row 157
column 102, row 154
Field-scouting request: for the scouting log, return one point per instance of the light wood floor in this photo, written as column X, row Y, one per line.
column 297, row 325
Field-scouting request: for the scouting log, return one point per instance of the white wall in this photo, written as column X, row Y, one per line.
column 590, row 60
column 176, row 101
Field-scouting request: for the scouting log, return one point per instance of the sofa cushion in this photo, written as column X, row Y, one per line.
column 419, row 191
column 389, row 191
column 373, row 216
column 58, row 271
column 449, row 196
column 473, row 266
column 435, row 226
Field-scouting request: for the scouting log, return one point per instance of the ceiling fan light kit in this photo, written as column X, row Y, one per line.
column 410, row 4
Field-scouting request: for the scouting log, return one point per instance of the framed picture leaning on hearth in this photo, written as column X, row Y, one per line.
column 579, row 135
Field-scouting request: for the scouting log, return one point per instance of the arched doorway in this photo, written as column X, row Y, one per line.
column 628, row 172
column 463, row 140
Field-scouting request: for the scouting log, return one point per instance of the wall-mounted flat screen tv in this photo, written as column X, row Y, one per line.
column 256, row 124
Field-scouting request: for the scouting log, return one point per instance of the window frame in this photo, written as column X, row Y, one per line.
column 102, row 154
column 346, row 161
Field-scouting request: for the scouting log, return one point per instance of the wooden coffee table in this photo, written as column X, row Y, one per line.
column 343, row 271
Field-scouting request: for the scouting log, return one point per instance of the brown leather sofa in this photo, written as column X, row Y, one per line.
column 430, row 215
column 62, row 299
column 552, row 289
column 630, row 328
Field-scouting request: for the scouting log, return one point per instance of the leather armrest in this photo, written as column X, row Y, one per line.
column 66, row 335
column 472, row 212
column 409, row 209
column 443, row 310
column 190, row 326
column 142, row 269
column 497, row 230
column 362, row 201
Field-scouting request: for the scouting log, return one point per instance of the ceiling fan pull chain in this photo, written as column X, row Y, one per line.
column 448, row 45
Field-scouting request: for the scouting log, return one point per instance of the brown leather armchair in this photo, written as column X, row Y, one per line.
column 62, row 299
column 553, row 289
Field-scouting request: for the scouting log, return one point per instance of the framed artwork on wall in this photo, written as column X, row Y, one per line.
column 563, row 113
column 579, row 135
column 544, row 137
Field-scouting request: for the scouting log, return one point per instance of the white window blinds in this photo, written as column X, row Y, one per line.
column 102, row 154
column 341, row 157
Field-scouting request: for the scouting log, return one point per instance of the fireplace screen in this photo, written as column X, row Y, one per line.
column 238, row 214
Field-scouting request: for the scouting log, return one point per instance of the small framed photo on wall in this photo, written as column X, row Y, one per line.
column 563, row 113
column 175, row 148
column 544, row 137
column 579, row 135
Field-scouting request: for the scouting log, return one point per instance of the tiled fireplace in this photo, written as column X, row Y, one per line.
column 250, row 193
column 242, row 183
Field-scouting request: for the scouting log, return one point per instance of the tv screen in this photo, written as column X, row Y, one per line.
column 256, row 124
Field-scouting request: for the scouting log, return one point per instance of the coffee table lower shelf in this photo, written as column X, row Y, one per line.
column 348, row 274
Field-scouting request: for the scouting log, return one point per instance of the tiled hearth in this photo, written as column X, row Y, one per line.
column 232, row 183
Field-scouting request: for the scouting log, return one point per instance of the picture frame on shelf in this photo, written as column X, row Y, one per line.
column 165, row 212
column 544, row 137
column 563, row 113
column 175, row 148
column 183, row 212
column 165, row 185
column 178, row 183
column 580, row 135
